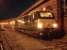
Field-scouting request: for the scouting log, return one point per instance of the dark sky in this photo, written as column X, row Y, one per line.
column 12, row 8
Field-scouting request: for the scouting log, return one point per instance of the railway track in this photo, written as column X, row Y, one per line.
column 4, row 45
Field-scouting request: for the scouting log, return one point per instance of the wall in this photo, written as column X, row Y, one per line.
column 65, row 24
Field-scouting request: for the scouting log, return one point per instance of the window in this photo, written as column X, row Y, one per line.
column 46, row 15
column 65, row 7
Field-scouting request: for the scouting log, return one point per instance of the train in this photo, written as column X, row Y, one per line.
column 40, row 24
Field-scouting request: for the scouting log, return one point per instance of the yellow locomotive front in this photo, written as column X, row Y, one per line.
column 45, row 24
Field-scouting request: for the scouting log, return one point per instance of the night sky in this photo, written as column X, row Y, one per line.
column 12, row 8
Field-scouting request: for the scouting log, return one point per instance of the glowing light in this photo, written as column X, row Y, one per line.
column 21, row 21
column 44, row 9
column 55, row 25
column 40, row 25
column 12, row 22
column 4, row 23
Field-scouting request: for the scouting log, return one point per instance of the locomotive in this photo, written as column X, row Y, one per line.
column 41, row 24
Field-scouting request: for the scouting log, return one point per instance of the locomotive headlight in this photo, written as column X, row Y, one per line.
column 55, row 25
column 40, row 25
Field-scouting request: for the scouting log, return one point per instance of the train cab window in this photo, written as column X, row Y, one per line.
column 46, row 15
